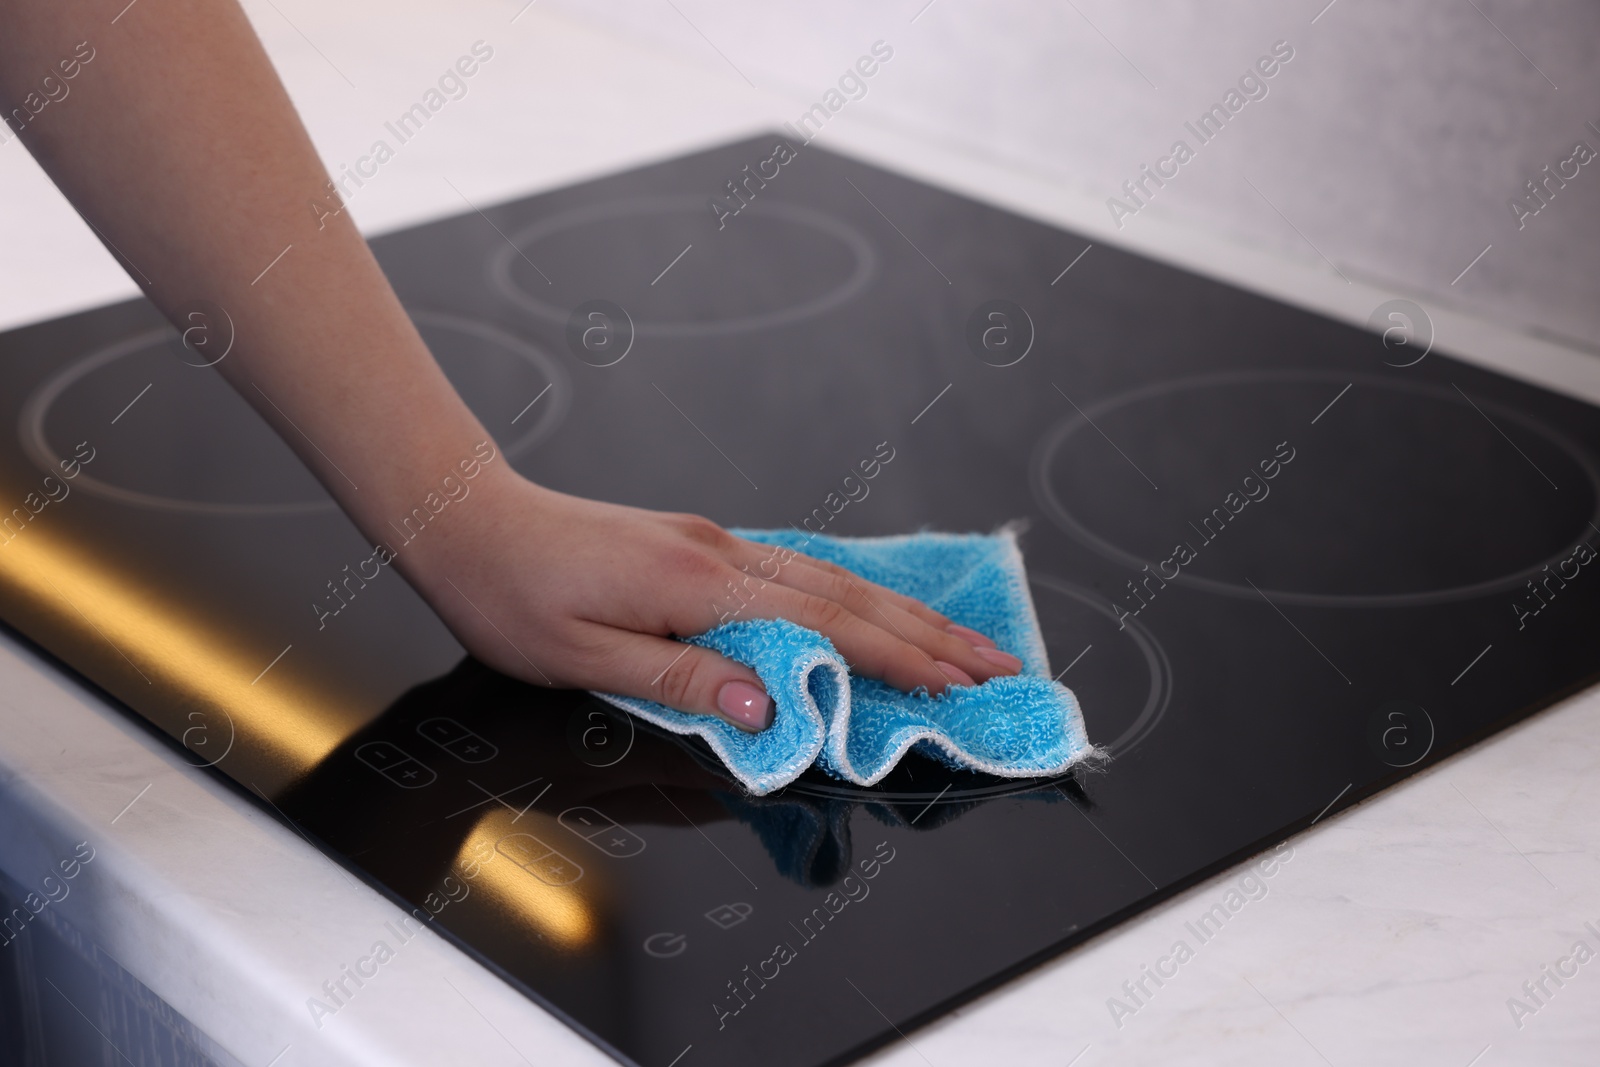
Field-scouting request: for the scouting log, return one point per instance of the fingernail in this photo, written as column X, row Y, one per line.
column 970, row 636
column 744, row 703
column 1004, row 660
column 956, row 675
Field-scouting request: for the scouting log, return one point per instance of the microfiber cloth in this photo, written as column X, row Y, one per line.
column 856, row 728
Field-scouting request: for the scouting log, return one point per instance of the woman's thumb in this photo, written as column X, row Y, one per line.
column 691, row 679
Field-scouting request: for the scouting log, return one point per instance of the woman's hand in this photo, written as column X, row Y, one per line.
column 561, row 591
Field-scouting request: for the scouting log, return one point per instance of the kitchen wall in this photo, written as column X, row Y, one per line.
column 1387, row 149
column 1390, row 144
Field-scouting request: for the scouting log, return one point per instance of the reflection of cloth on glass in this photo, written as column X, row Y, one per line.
column 808, row 837
column 857, row 728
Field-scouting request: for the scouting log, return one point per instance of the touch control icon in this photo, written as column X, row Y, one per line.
column 664, row 946
column 601, row 831
column 538, row 859
column 727, row 916
column 395, row 764
column 457, row 740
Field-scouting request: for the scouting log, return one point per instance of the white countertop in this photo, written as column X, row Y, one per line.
column 1395, row 933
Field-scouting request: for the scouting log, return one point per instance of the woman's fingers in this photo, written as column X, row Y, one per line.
column 971, row 636
column 684, row 677
column 971, row 652
column 772, row 566
column 868, row 603
column 870, row 649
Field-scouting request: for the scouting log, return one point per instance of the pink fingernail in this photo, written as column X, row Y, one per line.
column 744, row 703
column 1004, row 660
column 956, row 675
column 969, row 635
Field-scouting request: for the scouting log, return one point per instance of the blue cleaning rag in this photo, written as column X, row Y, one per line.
column 857, row 728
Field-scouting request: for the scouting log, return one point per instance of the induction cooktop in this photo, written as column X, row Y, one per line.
column 1283, row 561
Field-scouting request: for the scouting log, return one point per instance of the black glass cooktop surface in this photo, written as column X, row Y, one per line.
column 1282, row 565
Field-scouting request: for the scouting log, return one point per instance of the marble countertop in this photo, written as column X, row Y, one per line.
column 1400, row 931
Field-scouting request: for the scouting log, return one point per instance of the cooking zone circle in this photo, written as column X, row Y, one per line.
column 496, row 372
column 1398, row 494
column 717, row 285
